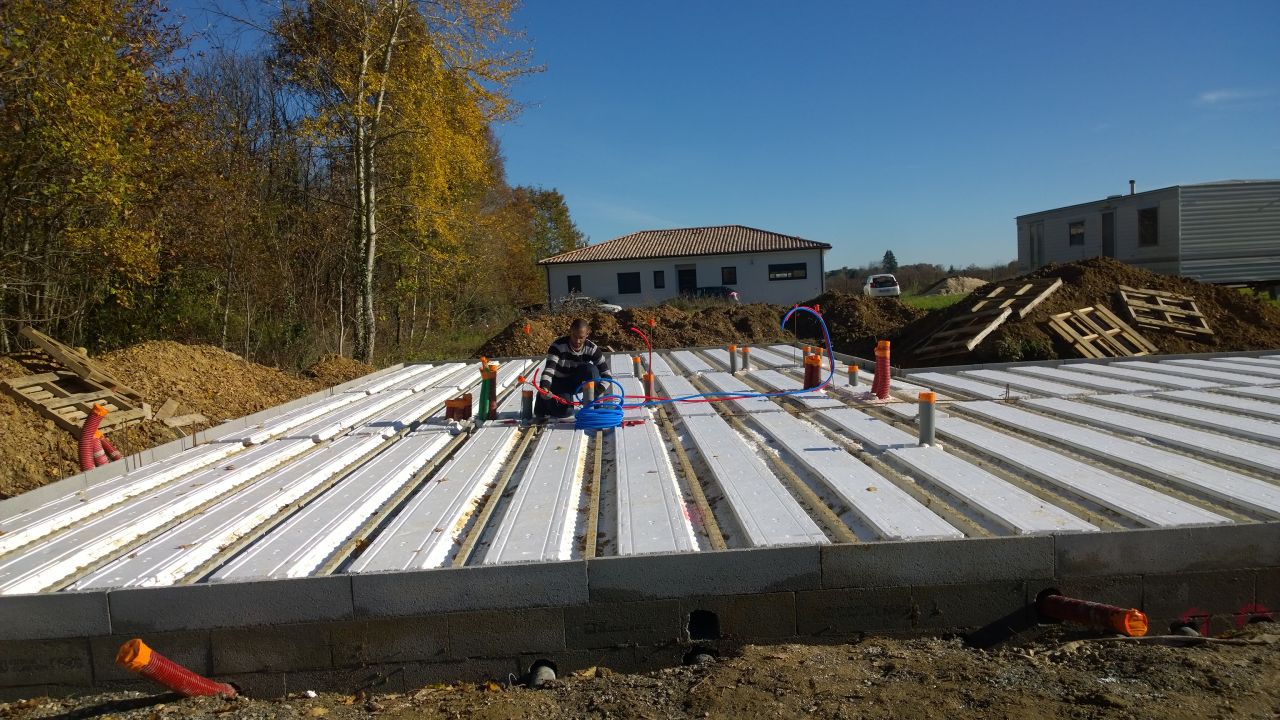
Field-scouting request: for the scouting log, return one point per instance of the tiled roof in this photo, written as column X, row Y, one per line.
column 681, row 242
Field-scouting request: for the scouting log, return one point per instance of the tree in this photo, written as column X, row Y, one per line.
column 400, row 91
column 88, row 127
column 889, row 263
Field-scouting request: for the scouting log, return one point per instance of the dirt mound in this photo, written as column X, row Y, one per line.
column 337, row 369
column 673, row 327
column 856, row 322
column 218, row 384
column 955, row 286
column 1239, row 321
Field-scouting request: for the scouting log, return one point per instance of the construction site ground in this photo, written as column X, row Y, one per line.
column 1057, row 675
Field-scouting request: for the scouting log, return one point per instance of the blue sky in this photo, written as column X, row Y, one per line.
column 920, row 127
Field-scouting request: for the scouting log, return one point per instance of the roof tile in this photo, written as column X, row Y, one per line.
column 681, row 242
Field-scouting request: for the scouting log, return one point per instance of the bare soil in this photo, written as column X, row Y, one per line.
column 213, row 382
column 955, row 286
column 1051, row 677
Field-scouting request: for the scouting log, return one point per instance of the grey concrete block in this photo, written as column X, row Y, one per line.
column 470, row 588
column 955, row 607
column 1173, row 597
column 240, row 604
column 262, row 685
column 939, row 562
column 1168, row 550
column 414, row 639
column 730, row 572
column 510, row 632
column 1267, row 591
column 600, row 625
column 349, row 681
column 189, row 649
column 284, row 648
column 45, row 662
column 845, row 612
column 502, row 670
column 763, row 616
column 1122, row 590
column 54, row 615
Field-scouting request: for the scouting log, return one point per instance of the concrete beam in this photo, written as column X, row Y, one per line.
column 943, row 562
column 242, row 604
column 48, row 616
column 728, row 572
column 470, row 588
column 1168, row 550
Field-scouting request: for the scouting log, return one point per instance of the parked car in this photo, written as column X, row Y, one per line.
column 583, row 303
column 882, row 285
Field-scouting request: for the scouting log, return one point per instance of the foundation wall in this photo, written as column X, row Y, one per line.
column 395, row 631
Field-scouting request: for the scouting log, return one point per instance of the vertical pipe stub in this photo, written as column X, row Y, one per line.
column 588, row 393
column 636, row 367
column 925, row 418
column 853, row 375
column 746, row 358
column 733, row 359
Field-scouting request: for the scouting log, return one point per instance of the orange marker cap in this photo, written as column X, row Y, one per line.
column 929, row 397
column 133, row 655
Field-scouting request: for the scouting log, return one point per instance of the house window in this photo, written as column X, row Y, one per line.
column 659, row 279
column 789, row 271
column 575, row 284
column 629, row 283
column 729, row 275
column 1075, row 233
column 1148, row 227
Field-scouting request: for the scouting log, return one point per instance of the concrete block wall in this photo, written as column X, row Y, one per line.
column 396, row 631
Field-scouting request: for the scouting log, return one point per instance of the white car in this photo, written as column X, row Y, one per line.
column 583, row 303
column 882, row 285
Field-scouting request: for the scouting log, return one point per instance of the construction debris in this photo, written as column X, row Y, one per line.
column 1161, row 310
column 67, row 399
column 1096, row 332
column 962, row 333
column 79, row 363
column 1020, row 296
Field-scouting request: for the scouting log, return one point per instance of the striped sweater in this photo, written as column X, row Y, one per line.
column 563, row 362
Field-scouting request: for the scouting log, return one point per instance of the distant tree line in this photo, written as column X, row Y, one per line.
column 338, row 190
column 915, row 278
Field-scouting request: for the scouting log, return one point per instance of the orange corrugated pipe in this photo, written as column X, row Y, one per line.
column 89, row 447
column 1127, row 621
column 136, row 657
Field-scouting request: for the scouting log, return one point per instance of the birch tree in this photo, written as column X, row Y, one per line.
column 400, row 92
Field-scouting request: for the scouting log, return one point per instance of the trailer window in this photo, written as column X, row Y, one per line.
column 1148, row 227
column 1075, row 233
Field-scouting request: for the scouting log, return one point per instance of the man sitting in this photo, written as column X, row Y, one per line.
column 571, row 361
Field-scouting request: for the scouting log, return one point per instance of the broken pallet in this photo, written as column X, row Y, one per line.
column 1160, row 310
column 67, row 399
column 962, row 333
column 1021, row 297
column 79, row 363
column 1096, row 332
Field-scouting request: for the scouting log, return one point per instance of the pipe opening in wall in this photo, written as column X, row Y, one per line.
column 703, row 625
column 1041, row 617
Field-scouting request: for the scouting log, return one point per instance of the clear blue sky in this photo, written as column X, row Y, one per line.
column 921, row 127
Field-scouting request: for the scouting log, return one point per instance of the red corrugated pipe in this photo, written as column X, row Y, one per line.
column 137, row 657
column 109, row 448
column 89, row 446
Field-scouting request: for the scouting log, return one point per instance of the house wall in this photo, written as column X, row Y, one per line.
column 1161, row 258
column 1231, row 233
column 600, row 279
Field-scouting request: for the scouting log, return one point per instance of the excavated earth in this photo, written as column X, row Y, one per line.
column 1051, row 677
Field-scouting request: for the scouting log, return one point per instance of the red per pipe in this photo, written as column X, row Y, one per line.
column 1127, row 621
column 137, row 657
column 88, row 440
column 110, row 449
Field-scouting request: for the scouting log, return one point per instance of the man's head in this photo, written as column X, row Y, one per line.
column 578, row 333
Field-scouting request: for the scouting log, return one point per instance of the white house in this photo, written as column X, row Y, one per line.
column 656, row 265
column 1219, row 232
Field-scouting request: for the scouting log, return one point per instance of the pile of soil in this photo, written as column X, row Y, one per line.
column 875, row 678
column 213, row 382
column 856, row 322
column 337, row 369
column 1238, row 321
column 955, row 286
column 673, row 327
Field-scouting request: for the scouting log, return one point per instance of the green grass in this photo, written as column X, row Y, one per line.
column 932, row 302
column 1260, row 295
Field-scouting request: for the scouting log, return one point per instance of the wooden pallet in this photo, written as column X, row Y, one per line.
column 1096, row 332
column 962, row 333
column 1020, row 296
column 1160, row 310
column 79, row 363
column 67, row 399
